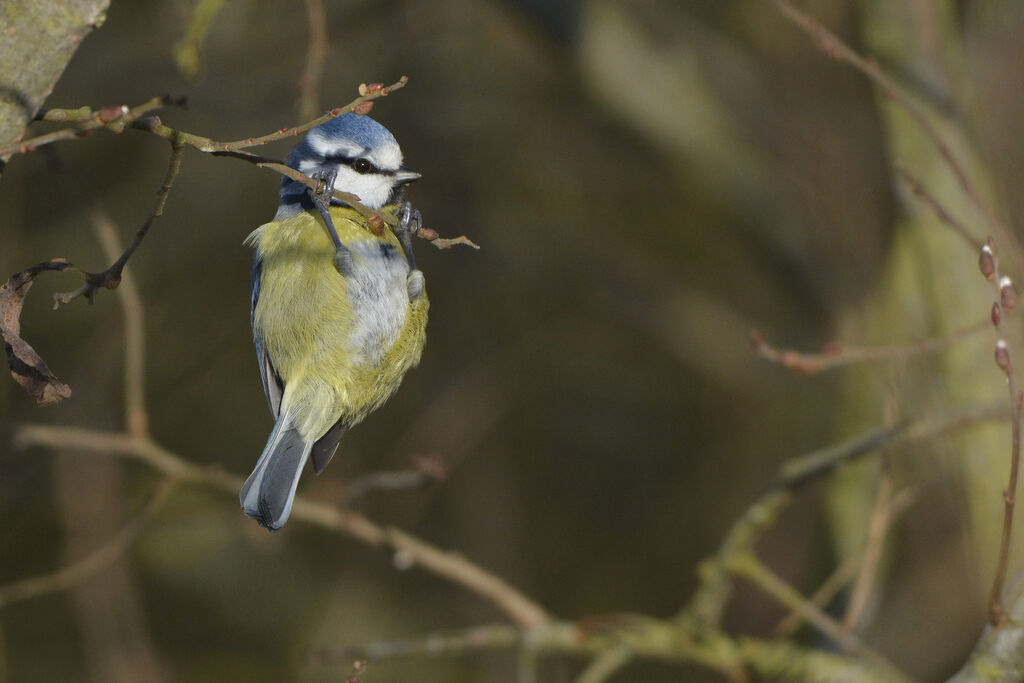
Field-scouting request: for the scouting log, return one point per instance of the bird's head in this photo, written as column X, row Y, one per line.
column 364, row 153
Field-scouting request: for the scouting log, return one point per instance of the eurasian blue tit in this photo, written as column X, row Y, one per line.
column 339, row 313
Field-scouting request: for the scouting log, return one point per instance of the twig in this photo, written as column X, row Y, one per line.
column 845, row 572
column 1005, row 299
column 872, row 555
column 77, row 572
column 832, row 46
column 316, row 53
column 136, row 415
column 409, row 550
column 748, row 566
column 111, row 277
column 941, row 212
column 425, row 471
column 838, row 355
column 361, row 104
column 114, row 118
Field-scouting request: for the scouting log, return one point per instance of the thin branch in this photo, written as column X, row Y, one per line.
column 936, row 206
column 316, row 54
column 81, row 570
column 409, row 551
column 114, row 118
column 749, row 567
column 846, row 572
column 837, row 355
column 111, row 277
column 136, row 415
column 426, row 470
column 361, row 105
column 1005, row 299
column 832, row 46
column 872, row 555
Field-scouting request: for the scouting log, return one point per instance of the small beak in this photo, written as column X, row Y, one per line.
column 404, row 176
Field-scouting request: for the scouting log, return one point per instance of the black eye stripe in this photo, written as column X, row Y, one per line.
column 349, row 161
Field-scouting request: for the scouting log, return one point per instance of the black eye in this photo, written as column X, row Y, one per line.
column 362, row 166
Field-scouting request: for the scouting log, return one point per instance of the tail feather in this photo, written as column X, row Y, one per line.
column 326, row 445
column 268, row 493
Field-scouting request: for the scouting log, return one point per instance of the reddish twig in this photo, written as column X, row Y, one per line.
column 837, row 355
column 1006, row 298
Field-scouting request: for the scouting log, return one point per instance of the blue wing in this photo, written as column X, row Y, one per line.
column 273, row 387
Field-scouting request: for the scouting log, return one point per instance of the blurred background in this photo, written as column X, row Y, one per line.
column 649, row 181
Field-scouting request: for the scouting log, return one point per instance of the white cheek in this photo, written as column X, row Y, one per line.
column 372, row 190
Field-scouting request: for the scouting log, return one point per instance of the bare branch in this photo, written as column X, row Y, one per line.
column 426, row 470
column 749, row 567
column 1005, row 299
column 114, row 118
column 111, row 277
column 838, row 355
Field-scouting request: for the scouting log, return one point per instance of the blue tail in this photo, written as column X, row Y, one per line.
column 268, row 493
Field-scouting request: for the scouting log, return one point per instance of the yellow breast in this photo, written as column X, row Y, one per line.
column 340, row 344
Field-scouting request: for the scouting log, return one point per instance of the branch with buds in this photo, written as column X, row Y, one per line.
column 1006, row 299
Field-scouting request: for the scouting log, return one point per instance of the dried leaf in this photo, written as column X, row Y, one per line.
column 27, row 368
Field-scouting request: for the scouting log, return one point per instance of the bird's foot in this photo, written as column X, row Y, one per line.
column 409, row 223
column 321, row 197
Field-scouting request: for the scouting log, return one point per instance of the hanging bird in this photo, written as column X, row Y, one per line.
column 339, row 313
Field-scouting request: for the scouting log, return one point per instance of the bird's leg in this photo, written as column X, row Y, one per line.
column 321, row 197
column 409, row 223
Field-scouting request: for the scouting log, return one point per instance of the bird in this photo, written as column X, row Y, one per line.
column 338, row 311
